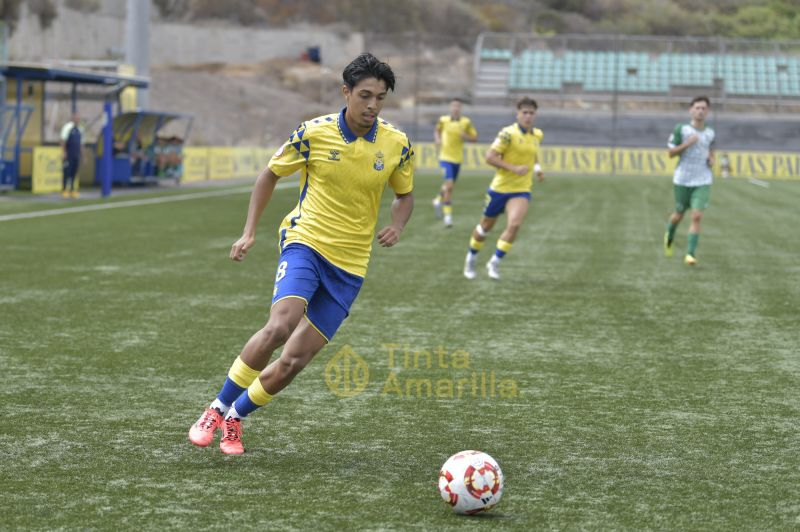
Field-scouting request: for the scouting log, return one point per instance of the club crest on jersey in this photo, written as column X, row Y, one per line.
column 378, row 161
column 334, row 156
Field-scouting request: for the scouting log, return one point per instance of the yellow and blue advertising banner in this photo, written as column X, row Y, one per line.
column 235, row 163
column 763, row 165
column 244, row 164
column 219, row 162
column 624, row 161
column 48, row 170
column 195, row 164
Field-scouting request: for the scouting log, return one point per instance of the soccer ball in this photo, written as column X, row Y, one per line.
column 471, row 482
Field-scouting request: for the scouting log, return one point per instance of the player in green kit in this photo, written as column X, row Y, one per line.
column 694, row 144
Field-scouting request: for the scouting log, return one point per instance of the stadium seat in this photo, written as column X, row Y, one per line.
column 742, row 74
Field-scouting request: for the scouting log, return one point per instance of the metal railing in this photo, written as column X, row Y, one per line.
column 745, row 74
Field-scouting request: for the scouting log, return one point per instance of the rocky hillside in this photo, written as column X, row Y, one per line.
column 463, row 19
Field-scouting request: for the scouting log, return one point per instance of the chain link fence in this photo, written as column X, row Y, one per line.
column 618, row 90
column 429, row 69
column 595, row 89
column 593, row 71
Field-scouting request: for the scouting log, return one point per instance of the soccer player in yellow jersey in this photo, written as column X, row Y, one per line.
column 450, row 134
column 515, row 154
column 346, row 160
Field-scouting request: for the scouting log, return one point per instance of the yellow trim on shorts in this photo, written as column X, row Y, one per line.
column 287, row 297
column 327, row 340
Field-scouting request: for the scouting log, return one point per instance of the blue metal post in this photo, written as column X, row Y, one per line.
column 18, row 136
column 105, row 160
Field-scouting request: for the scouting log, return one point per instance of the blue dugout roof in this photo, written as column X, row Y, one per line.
column 47, row 73
column 131, row 124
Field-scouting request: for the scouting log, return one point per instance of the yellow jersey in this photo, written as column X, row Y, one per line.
column 341, row 183
column 452, row 150
column 518, row 147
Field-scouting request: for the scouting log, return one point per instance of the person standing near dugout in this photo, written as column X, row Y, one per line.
column 72, row 135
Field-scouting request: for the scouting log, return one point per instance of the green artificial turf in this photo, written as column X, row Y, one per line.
column 630, row 391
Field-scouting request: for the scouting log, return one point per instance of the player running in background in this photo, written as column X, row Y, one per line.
column 345, row 159
column 515, row 154
column 694, row 143
column 450, row 133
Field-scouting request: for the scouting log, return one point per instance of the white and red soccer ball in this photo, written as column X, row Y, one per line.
column 471, row 482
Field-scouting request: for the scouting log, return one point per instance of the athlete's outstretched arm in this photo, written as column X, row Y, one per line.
column 402, row 206
column 259, row 198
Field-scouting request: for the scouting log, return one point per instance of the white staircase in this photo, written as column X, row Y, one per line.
column 491, row 79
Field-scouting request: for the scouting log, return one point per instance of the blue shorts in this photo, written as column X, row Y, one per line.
column 450, row 169
column 495, row 204
column 328, row 291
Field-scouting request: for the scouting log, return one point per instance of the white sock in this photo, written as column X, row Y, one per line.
column 232, row 413
column 495, row 260
column 218, row 405
column 471, row 257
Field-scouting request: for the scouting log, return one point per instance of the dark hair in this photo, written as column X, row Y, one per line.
column 526, row 101
column 701, row 99
column 365, row 66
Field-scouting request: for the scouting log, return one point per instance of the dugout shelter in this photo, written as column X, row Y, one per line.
column 28, row 89
column 143, row 150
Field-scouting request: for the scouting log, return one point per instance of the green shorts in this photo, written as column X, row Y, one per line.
column 694, row 197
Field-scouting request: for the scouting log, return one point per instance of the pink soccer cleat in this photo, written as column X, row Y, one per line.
column 202, row 432
column 231, row 442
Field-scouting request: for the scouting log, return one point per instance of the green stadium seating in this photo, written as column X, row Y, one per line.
column 752, row 75
column 489, row 53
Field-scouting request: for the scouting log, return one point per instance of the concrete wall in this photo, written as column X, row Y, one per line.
column 77, row 35
column 183, row 44
column 73, row 35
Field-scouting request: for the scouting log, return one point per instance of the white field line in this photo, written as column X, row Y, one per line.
column 136, row 203
column 758, row 182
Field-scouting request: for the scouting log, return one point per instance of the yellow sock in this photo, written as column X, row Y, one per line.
column 242, row 374
column 249, row 402
column 475, row 245
column 503, row 247
column 258, row 394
